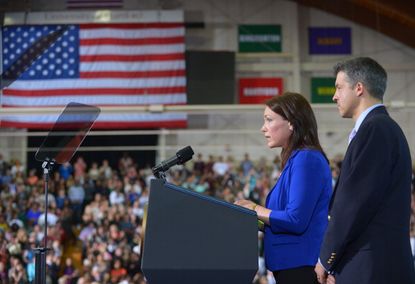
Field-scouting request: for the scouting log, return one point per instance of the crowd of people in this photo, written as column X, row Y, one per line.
column 99, row 208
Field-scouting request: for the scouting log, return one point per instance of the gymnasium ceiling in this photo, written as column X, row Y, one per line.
column 394, row 18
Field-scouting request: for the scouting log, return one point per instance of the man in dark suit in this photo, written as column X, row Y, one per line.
column 367, row 238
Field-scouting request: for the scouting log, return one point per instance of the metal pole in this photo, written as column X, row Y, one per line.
column 40, row 252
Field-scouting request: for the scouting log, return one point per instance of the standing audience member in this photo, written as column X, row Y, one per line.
column 76, row 196
column 80, row 169
column 199, row 165
column 17, row 168
column 3, row 165
column 105, row 169
column 209, row 164
column 220, row 167
column 124, row 163
column 93, row 172
column 246, row 165
column 65, row 171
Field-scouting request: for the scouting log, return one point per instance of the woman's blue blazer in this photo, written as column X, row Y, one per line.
column 299, row 203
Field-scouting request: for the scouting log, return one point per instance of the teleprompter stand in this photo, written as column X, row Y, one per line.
column 59, row 147
column 40, row 252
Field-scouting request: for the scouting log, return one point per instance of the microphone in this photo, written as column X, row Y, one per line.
column 181, row 157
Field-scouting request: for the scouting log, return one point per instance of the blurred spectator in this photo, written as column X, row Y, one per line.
column 3, row 273
column 230, row 161
column 246, row 165
column 116, row 195
column 52, row 218
column 6, row 178
column 87, row 232
column 41, row 199
column 52, row 268
column 93, row 172
column 17, row 273
column 65, row 171
column 220, row 167
column 118, row 271
column 3, row 165
column 17, row 168
column 33, row 213
column 29, row 258
column 80, row 169
column 105, row 170
column 61, row 198
column 124, row 162
column 69, row 272
column 32, row 179
column 209, row 164
column 199, row 165
column 276, row 168
column 76, row 195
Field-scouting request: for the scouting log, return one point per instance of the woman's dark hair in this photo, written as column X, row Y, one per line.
column 294, row 108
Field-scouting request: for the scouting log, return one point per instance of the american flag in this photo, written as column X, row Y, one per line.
column 95, row 64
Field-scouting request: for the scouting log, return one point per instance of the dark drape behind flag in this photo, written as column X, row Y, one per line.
column 94, row 4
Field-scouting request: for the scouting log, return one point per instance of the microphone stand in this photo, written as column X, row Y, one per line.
column 160, row 175
column 40, row 252
column 181, row 157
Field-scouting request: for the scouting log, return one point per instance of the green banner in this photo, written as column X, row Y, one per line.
column 260, row 38
column 322, row 90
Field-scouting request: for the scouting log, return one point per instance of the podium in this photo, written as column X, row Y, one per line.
column 193, row 238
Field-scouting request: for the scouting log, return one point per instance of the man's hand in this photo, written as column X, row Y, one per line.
column 331, row 279
column 321, row 274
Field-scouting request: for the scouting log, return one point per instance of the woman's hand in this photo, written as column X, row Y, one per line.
column 246, row 203
column 262, row 212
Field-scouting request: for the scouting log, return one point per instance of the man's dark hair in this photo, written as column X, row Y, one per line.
column 366, row 71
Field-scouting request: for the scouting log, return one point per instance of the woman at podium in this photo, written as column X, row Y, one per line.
column 296, row 209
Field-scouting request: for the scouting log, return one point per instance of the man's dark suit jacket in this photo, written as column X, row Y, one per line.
column 367, row 239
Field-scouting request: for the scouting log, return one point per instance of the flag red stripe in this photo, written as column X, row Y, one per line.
column 131, row 26
column 132, row 41
column 143, row 124
column 103, row 124
column 135, row 74
column 82, row 92
column 102, row 105
column 131, row 58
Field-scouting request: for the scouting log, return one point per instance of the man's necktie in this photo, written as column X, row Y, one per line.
column 352, row 135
